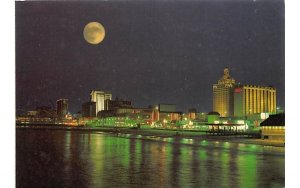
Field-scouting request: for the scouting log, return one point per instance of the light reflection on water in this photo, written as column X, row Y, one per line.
column 82, row 159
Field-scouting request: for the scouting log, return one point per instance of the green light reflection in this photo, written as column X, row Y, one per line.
column 204, row 143
column 225, row 168
column 247, row 169
column 203, row 155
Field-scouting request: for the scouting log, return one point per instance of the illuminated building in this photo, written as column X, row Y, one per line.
column 126, row 116
column 273, row 127
column 165, row 113
column 62, row 108
column 88, row 109
column 202, row 117
column 69, row 116
column 33, row 120
column 100, row 97
column 212, row 117
column 249, row 99
column 192, row 114
column 155, row 114
column 223, row 95
column 32, row 113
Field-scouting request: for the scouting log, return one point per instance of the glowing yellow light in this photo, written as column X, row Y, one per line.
column 94, row 33
column 240, row 121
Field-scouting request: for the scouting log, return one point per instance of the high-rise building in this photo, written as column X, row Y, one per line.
column 88, row 109
column 249, row 99
column 100, row 97
column 62, row 108
column 223, row 95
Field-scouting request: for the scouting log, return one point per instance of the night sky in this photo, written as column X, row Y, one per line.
column 153, row 52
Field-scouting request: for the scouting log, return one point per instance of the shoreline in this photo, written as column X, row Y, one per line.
column 164, row 133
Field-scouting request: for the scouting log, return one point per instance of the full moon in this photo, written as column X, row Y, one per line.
column 94, row 33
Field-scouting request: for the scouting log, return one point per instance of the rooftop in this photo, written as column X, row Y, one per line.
column 274, row 120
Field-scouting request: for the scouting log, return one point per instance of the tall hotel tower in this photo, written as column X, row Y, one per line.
column 62, row 108
column 223, row 95
column 249, row 99
column 100, row 97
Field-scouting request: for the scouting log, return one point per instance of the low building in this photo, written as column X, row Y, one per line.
column 86, row 120
column 118, row 108
column 118, row 103
column 255, row 120
column 273, row 128
column 32, row 113
column 192, row 113
column 201, row 117
column 42, row 115
column 46, row 111
column 34, row 120
column 166, row 113
column 212, row 117
column 126, row 116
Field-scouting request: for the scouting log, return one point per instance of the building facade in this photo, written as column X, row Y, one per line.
column 62, row 108
column 223, row 95
column 273, row 128
column 88, row 109
column 249, row 99
column 118, row 103
column 100, row 97
column 46, row 111
column 165, row 113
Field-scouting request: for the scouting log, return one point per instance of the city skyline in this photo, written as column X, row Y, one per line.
column 169, row 53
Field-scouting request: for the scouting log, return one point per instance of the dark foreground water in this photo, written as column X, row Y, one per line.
column 59, row 158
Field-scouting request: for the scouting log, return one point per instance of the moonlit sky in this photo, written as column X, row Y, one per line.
column 153, row 52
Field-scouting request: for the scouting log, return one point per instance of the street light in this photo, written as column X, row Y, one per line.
column 277, row 109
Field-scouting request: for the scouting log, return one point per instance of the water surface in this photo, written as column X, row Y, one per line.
column 58, row 158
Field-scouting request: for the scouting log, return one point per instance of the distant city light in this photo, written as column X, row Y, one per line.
column 240, row 122
column 264, row 115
